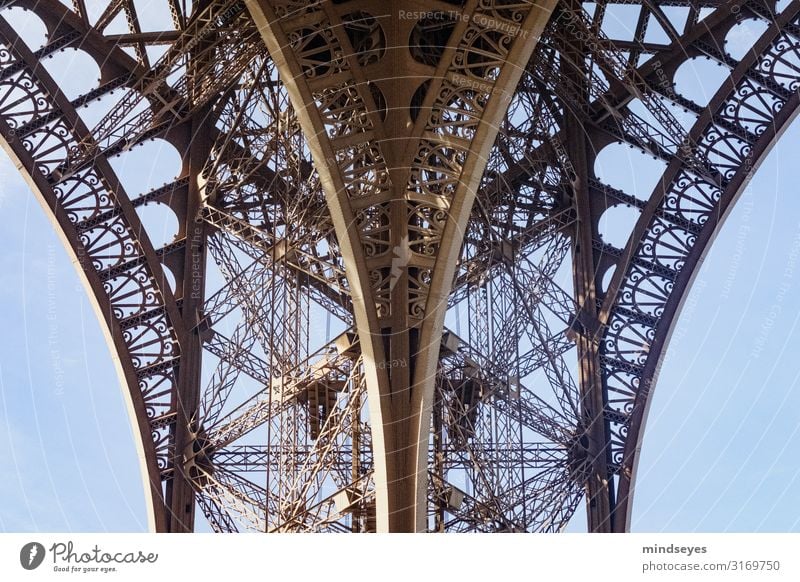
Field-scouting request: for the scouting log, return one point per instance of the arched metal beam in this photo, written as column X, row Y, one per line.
column 98, row 225
column 678, row 224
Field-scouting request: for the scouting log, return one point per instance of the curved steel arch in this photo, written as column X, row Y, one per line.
column 100, row 229
column 741, row 124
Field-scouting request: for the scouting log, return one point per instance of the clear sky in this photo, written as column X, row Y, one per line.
column 720, row 445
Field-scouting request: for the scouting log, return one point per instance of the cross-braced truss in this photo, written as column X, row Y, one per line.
column 389, row 305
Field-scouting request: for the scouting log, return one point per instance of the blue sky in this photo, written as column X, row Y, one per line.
column 67, row 461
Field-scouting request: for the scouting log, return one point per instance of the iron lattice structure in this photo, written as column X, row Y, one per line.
column 388, row 305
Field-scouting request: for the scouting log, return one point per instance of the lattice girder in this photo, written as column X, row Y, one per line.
column 400, row 184
column 100, row 228
column 654, row 272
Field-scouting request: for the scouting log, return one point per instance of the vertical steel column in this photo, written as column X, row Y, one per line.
column 182, row 500
column 587, row 332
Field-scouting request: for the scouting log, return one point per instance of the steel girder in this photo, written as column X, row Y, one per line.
column 100, row 228
column 383, row 204
column 678, row 223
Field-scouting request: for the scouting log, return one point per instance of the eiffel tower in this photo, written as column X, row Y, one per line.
column 390, row 303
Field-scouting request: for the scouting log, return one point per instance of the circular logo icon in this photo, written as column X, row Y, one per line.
column 31, row 555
